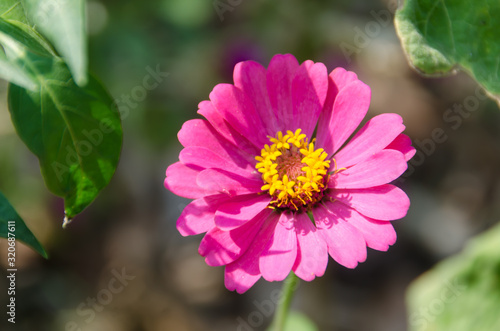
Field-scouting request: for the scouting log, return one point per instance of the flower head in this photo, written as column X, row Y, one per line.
column 277, row 185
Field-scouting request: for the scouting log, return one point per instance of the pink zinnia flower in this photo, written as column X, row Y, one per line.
column 271, row 197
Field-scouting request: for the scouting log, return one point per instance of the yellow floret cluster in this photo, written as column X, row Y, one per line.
column 292, row 170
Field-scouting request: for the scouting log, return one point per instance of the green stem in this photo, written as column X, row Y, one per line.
column 289, row 288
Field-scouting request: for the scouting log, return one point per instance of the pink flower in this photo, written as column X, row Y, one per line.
column 271, row 197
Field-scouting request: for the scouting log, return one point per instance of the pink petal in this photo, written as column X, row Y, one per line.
column 402, row 143
column 378, row 235
column 342, row 77
column 198, row 216
column 250, row 77
column 223, row 247
column 280, row 73
column 386, row 202
column 204, row 158
column 240, row 210
column 276, row 261
column 345, row 243
column 309, row 89
column 216, row 180
column 374, row 136
column 244, row 272
column 327, row 111
column 239, row 112
column 379, row 169
column 337, row 80
column 312, row 252
column 349, row 109
column 181, row 180
column 200, row 133
column 207, row 109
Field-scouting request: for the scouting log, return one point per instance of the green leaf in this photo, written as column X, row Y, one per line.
column 296, row 321
column 22, row 233
column 75, row 132
column 439, row 36
column 13, row 10
column 15, row 37
column 299, row 322
column 461, row 293
column 25, row 35
column 12, row 72
column 63, row 23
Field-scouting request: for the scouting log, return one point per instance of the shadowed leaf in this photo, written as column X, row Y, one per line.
column 21, row 231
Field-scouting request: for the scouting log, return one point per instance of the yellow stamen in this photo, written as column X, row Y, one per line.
column 293, row 171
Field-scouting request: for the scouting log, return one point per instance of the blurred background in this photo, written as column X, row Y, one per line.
column 128, row 233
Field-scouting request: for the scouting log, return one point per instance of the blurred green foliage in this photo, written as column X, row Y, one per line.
column 63, row 24
column 299, row 322
column 461, row 293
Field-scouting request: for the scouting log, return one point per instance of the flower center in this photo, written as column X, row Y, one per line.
column 294, row 173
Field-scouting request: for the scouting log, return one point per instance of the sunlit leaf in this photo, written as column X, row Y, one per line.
column 62, row 22
column 27, row 36
column 461, row 293
column 8, row 217
column 10, row 71
column 15, row 38
column 440, row 36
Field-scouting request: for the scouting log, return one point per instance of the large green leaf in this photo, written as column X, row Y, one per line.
column 21, row 231
column 13, row 10
column 75, row 132
column 461, row 293
column 62, row 22
column 439, row 36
